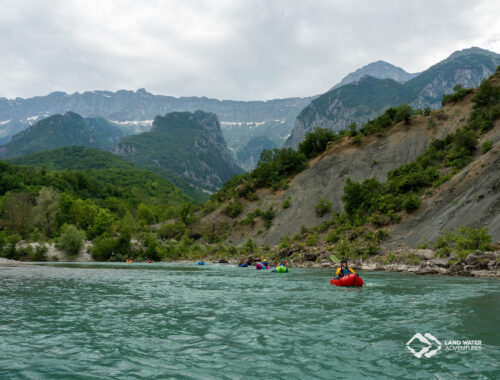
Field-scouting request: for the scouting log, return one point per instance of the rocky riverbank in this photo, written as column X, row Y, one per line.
column 419, row 261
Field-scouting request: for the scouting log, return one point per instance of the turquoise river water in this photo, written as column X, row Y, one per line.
column 161, row 321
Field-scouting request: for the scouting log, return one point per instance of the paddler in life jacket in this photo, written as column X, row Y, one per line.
column 343, row 270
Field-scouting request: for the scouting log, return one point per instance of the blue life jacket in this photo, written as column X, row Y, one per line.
column 345, row 271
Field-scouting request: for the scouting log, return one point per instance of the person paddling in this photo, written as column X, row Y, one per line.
column 343, row 270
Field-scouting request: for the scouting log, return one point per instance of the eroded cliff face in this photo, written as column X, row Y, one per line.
column 326, row 176
column 472, row 198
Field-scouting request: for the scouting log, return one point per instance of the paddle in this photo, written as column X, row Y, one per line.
column 334, row 259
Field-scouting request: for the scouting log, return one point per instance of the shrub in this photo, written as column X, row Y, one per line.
column 312, row 239
column 106, row 247
column 463, row 240
column 71, row 239
column 39, row 253
column 486, row 146
column 411, row 203
column 459, row 94
column 285, row 242
column 286, row 203
column 267, row 217
column 316, row 142
column 172, row 230
column 233, row 209
column 332, row 237
column 322, row 207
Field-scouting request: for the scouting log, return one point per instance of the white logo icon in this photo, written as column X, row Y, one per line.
column 426, row 339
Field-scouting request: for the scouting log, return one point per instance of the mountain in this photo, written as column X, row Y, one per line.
column 134, row 111
column 414, row 181
column 107, row 169
column 72, row 158
column 249, row 155
column 362, row 100
column 63, row 130
column 188, row 144
column 378, row 69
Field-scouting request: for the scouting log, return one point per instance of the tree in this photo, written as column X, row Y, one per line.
column 145, row 214
column 102, row 224
column 17, row 212
column 44, row 213
column 403, row 112
column 71, row 239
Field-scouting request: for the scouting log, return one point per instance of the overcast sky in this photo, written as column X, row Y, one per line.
column 234, row 49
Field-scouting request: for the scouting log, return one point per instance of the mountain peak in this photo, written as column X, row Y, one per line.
column 472, row 51
column 378, row 69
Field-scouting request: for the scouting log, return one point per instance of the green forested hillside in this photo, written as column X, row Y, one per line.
column 63, row 130
column 188, row 144
column 72, row 157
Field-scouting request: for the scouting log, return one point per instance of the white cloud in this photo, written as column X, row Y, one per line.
column 245, row 49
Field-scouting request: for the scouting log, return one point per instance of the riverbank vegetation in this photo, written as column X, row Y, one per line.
column 115, row 208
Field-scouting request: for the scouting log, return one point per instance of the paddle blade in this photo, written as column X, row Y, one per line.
column 335, row 259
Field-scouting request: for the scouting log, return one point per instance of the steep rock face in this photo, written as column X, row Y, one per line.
column 134, row 111
column 326, row 176
column 470, row 198
column 63, row 130
column 249, row 155
column 189, row 144
column 363, row 100
column 378, row 69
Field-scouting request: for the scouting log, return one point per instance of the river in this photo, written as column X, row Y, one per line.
column 159, row 321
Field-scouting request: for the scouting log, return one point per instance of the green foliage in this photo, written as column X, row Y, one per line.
column 316, row 141
column 486, row 146
column 486, row 108
column 71, row 239
column 286, row 203
column 172, row 230
column 391, row 116
column 167, row 150
column 411, row 203
column 458, row 95
column 312, row 239
column 46, row 134
column 276, row 165
column 285, row 242
column 233, row 209
column 322, row 207
column 464, row 240
column 106, row 247
column 267, row 217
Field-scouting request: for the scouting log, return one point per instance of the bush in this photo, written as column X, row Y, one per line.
column 411, row 203
column 486, row 146
column 39, row 253
column 267, row 217
column 71, row 239
column 10, row 250
column 172, row 230
column 316, row 141
column 233, row 209
column 106, row 247
column 464, row 240
column 322, row 207
column 458, row 95
column 312, row 240
column 286, row 203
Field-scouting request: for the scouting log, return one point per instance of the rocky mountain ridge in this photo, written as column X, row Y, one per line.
column 368, row 97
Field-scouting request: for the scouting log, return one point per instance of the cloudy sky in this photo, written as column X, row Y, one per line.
column 227, row 49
